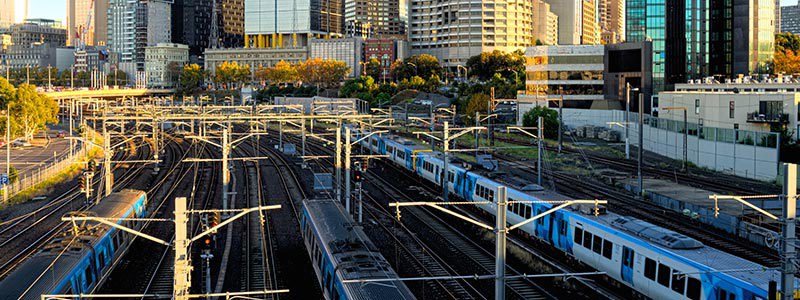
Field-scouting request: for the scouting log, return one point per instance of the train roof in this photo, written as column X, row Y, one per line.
column 354, row 254
column 729, row 264
column 16, row 283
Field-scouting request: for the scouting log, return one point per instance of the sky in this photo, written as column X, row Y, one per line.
column 56, row 9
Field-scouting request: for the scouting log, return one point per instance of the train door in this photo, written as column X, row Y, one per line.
column 627, row 264
column 560, row 237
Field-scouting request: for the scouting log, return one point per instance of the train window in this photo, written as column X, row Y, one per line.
column 578, row 235
column 587, row 240
column 597, row 245
column 88, row 274
column 732, row 296
column 608, row 248
column 401, row 154
column 664, row 274
column 527, row 211
column 451, row 176
column 491, row 195
column 723, row 295
column 627, row 257
column 693, row 288
column 650, row 269
column 101, row 260
column 540, row 221
column 678, row 282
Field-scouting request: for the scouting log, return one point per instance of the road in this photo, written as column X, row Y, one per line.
column 28, row 160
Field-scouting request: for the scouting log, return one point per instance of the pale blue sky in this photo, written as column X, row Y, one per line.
column 56, row 9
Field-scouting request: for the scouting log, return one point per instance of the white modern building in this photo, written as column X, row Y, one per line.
column 740, row 104
column 347, row 50
column 455, row 30
column 288, row 24
column 122, row 30
column 159, row 60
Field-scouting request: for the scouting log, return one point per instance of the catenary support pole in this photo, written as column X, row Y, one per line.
column 155, row 144
column 684, row 166
column 108, row 153
column 641, row 145
column 337, row 161
column 789, row 214
column 540, row 144
column 560, row 123
column 627, row 120
column 226, row 173
column 347, row 191
column 444, row 175
column 182, row 276
column 500, row 253
column 477, row 143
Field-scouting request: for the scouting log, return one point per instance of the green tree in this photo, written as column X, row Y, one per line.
column 549, row 117
column 787, row 41
column 192, row 78
column 358, row 86
column 31, row 111
column 374, row 68
column 509, row 65
column 413, row 83
column 432, row 84
column 477, row 103
column 423, row 65
column 117, row 77
column 282, row 73
column 231, row 75
column 7, row 92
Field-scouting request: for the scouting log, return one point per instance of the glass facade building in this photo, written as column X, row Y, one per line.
column 646, row 20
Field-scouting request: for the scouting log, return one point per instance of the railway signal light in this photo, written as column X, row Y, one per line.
column 82, row 182
column 208, row 242
column 213, row 220
column 91, row 165
column 358, row 175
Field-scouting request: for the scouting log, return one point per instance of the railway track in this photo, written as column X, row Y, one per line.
column 625, row 204
column 22, row 236
column 453, row 241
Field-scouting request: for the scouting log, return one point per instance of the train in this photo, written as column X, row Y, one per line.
column 654, row 262
column 78, row 264
column 340, row 250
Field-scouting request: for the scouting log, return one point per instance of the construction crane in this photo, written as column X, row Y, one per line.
column 82, row 32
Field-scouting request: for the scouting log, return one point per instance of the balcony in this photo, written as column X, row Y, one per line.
column 772, row 118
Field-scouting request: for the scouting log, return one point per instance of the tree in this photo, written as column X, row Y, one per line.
column 413, row 83
column 487, row 64
column 231, row 74
column 117, row 78
column 173, row 72
column 323, row 73
column 787, row 41
column 358, row 86
column 432, row 84
column 281, row 73
column 192, row 78
column 7, row 92
column 31, row 111
column 787, row 62
column 423, row 65
column 477, row 103
column 550, row 119
column 374, row 69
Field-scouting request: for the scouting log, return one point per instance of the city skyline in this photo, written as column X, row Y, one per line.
column 56, row 9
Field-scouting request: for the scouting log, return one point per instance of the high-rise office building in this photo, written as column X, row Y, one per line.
column 545, row 24
column 452, row 31
column 284, row 23
column 790, row 19
column 611, row 14
column 590, row 31
column 682, row 23
column 77, row 13
column 570, row 20
column 6, row 13
column 191, row 20
column 232, row 18
column 153, row 27
column 122, row 34
column 741, row 36
column 374, row 19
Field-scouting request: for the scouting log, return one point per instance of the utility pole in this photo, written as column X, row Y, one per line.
column 789, row 214
column 347, row 150
column 226, row 173
column 540, row 144
column 155, row 144
column 182, row 272
column 627, row 120
column 337, row 159
column 560, row 122
column 433, row 127
column 500, row 243
column 445, row 173
column 641, row 145
column 108, row 152
column 490, row 132
column 477, row 136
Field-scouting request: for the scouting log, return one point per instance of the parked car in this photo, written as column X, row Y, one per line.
column 21, row 143
column 61, row 134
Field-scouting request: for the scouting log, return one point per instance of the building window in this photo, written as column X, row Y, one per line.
column 697, row 106
column 731, row 107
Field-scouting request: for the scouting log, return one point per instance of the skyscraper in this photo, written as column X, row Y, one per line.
column 590, row 31
column 122, row 34
column 454, row 30
column 545, row 24
column 374, row 19
column 612, row 19
column 682, row 23
column 77, row 13
column 288, row 23
column 790, row 19
column 232, row 13
column 742, row 36
column 6, row 13
column 153, row 20
column 191, row 21
column 570, row 20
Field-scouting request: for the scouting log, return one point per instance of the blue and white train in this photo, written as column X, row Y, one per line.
column 654, row 262
column 71, row 264
column 339, row 251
